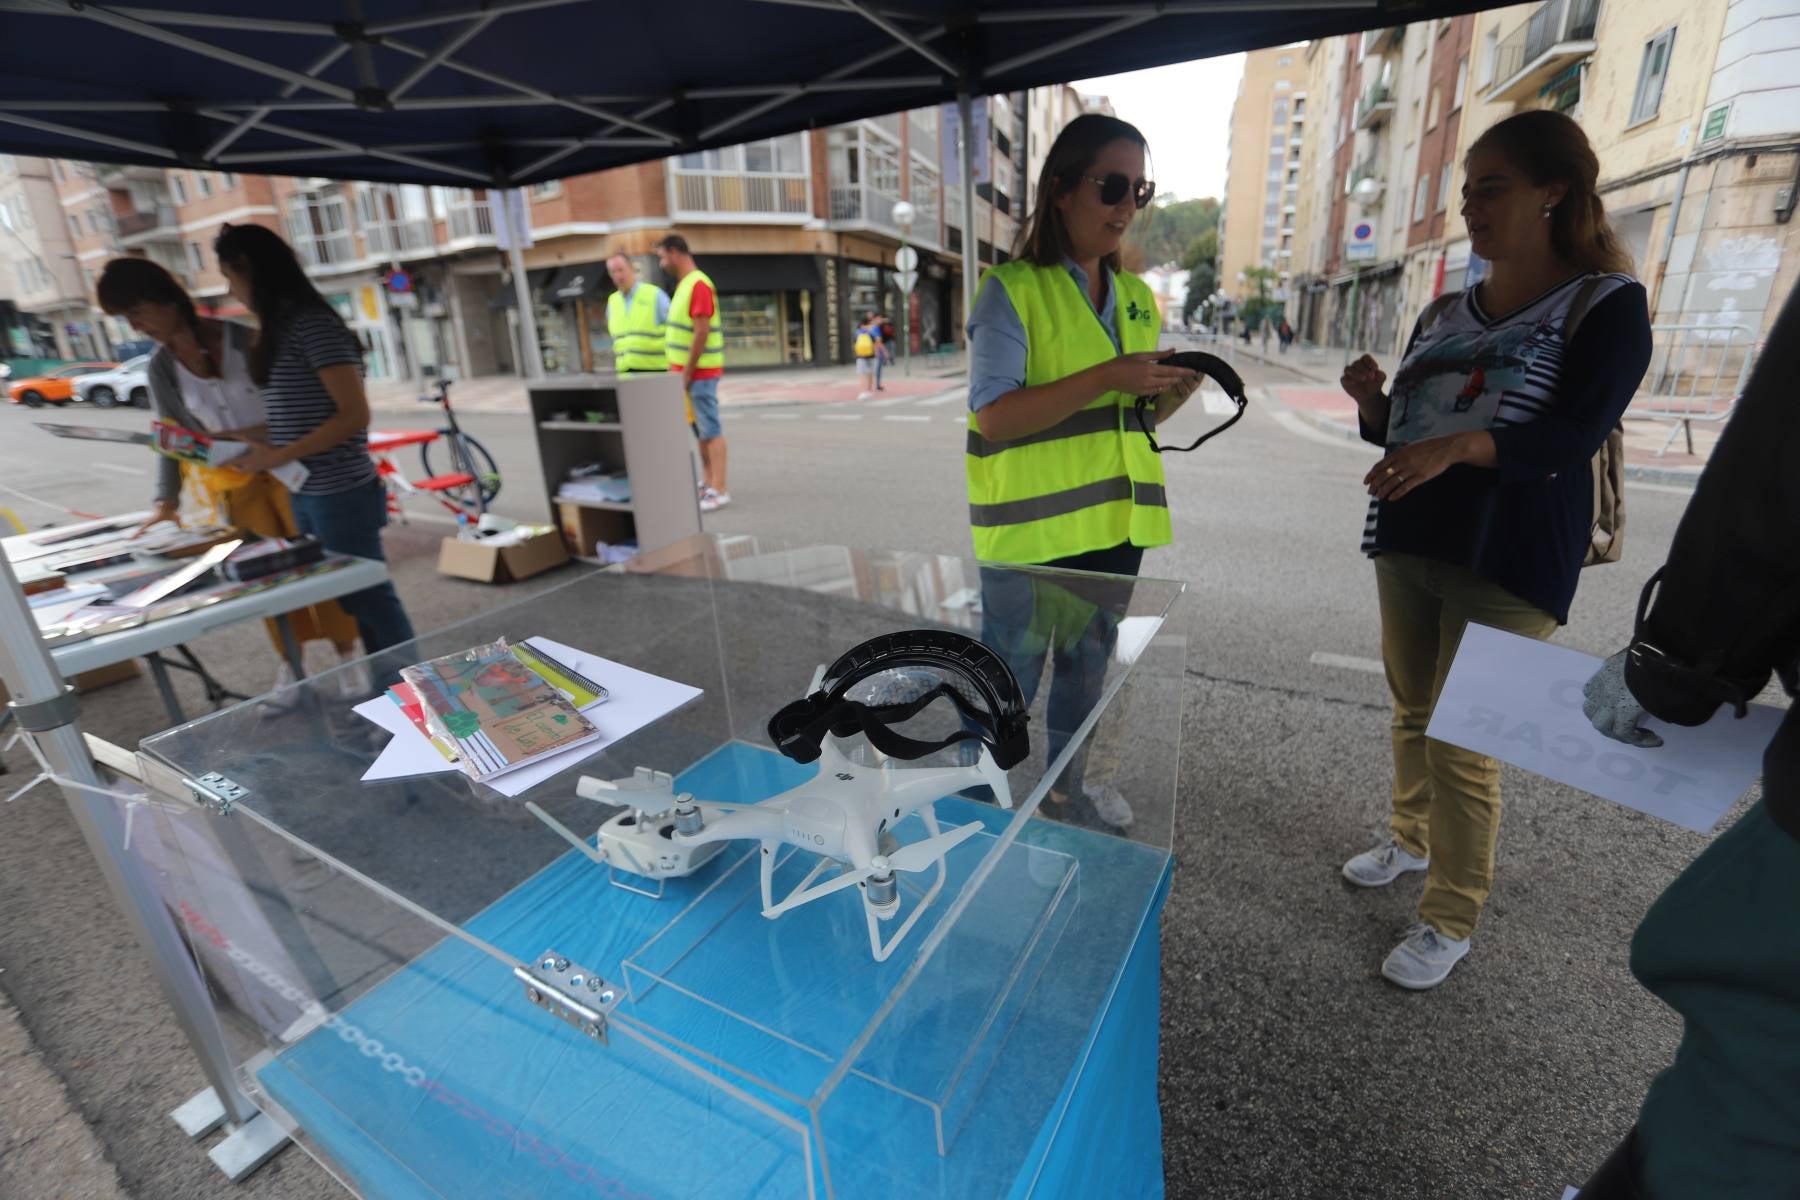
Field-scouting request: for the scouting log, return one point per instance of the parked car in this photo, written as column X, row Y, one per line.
column 55, row 386
column 128, row 383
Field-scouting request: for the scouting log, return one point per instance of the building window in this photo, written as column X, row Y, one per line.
column 203, row 181
column 1444, row 190
column 1490, row 56
column 56, row 170
column 93, row 220
column 196, row 257
column 1462, row 83
column 1651, row 76
column 228, row 180
column 550, row 189
column 179, row 186
column 1432, row 109
column 1421, row 194
column 75, row 226
column 1284, row 61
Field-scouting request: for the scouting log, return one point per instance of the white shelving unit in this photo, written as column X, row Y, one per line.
column 644, row 432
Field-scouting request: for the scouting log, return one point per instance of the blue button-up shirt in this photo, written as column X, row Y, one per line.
column 997, row 342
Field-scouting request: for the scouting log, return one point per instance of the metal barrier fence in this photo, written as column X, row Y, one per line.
column 1696, row 373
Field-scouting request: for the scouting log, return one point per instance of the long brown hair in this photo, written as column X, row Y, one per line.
column 1549, row 148
column 279, row 288
column 126, row 282
column 1043, row 239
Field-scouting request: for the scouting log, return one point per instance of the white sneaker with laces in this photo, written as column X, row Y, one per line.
column 1110, row 805
column 713, row 501
column 1382, row 865
column 1423, row 959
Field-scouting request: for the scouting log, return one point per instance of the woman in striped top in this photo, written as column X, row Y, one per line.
column 1482, row 505
column 309, row 366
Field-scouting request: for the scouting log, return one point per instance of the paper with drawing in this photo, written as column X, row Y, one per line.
column 1519, row 700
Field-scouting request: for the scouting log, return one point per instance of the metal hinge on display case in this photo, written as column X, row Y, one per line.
column 212, row 790
column 569, row 991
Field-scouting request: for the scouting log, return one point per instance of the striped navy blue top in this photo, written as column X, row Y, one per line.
column 310, row 340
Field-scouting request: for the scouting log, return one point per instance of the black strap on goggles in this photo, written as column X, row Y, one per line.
column 1220, row 372
column 799, row 727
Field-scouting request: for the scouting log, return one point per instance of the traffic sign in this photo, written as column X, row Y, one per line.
column 907, row 259
column 904, row 280
column 1360, row 245
column 399, row 281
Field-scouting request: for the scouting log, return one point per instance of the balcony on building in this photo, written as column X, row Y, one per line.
column 155, row 223
column 115, row 175
column 866, row 167
column 1381, row 41
column 399, row 239
column 1374, row 106
column 1555, row 36
column 468, row 217
column 763, row 181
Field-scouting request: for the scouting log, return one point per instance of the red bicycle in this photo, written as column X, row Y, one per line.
column 469, row 481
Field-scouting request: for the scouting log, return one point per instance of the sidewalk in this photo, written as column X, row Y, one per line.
column 1324, row 405
column 737, row 389
column 43, row 1136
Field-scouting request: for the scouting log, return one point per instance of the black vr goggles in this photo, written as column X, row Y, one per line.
column 1220, row 372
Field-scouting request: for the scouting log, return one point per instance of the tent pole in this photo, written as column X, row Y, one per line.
column 966, row 116
column 45, row 707
column 512, row 214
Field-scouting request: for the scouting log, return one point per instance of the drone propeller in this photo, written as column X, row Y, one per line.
column 925, row 854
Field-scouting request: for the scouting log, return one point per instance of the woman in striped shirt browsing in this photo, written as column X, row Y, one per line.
column 309, row 367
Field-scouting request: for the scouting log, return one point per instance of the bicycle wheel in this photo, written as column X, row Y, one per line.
column 467, row 457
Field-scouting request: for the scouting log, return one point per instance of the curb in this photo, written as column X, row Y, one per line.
column 1686, row 477
column 394, row 410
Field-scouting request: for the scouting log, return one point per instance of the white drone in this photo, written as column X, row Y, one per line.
column 846, row 814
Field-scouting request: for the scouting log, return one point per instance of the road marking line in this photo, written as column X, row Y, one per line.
column 905, row 417
column 946, row 398
column 1217, row 404
column 840, row 416
column 115, row 467
column 1347, row 662
column 779, row 416
column 1294, row 424
column 889, row 402
column 962, row 420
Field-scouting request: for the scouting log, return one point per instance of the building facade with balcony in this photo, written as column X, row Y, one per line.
column 41, row 304
column 1269, row 120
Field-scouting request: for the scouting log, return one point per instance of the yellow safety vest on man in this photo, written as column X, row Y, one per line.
column 1091, row 482
column 636, row 332
column 680, row 334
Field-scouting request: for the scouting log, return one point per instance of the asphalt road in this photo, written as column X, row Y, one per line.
column 1290, row 1069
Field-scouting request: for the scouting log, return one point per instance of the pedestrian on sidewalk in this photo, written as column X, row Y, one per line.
column 694, row 348
column 1063, row 342
column 309, row 368
column 1286, row 333
column 199, row 379
column 867, row 345
column 890, row 347
column 1482, row 507
column 1718, row 946
column 637, row 314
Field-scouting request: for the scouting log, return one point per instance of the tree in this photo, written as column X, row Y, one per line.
column 1201, row 261
column 1164, row 231
column 1260, row 305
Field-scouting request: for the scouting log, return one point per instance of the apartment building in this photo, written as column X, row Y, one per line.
column 1268, row 123
column 41, row 305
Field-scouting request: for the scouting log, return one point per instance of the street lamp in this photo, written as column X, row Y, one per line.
column 906, row 259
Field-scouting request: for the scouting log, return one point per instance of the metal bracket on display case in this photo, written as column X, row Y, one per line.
column 569, row 991
column 212, row 790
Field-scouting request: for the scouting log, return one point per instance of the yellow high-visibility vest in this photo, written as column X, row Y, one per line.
column 636, row 333
column 680, row 333
column 1092, row 481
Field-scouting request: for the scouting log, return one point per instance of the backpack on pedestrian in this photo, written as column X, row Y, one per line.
column 865, row 344
column 1606, row 535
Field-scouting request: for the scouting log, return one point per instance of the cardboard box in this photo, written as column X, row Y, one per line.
column 501, row 564
column 583, row 526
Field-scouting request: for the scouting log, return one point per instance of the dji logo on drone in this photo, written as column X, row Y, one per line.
column 845, row 776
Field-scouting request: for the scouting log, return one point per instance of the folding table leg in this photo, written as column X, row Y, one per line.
column 159, row 671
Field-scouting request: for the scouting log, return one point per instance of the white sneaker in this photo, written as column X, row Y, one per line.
column 711, row 501
column 1382, row 865
column 1109, row 805
column 355, row 682
column 1424, row 959
column 284, row 678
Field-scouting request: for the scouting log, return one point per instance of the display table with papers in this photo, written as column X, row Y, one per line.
column 375, row 940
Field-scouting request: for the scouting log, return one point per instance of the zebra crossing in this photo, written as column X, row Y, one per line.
column 948, row 407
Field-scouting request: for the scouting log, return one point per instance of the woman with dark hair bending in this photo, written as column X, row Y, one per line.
column 1062, row 342
column 1482, row 508
column 309, row 367
column 200, row 379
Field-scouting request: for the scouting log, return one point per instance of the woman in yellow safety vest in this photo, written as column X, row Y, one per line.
column 1062, row 343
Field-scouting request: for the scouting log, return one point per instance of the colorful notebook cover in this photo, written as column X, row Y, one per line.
column 495, row 711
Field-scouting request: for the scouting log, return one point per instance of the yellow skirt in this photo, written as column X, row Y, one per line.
column 259, row 503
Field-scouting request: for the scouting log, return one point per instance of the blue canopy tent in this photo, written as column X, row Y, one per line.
column 500, row 95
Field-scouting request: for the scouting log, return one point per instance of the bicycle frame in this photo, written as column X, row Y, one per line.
column 462, row 464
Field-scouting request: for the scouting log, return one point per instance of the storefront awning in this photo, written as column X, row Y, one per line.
column 534, row 280
column 580, row 282
column 762, row 272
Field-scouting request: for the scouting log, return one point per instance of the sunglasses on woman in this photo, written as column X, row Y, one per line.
column 1114, row 187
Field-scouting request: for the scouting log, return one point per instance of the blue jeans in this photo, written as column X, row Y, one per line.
column 349, row 522
column 704, row 393
column 880, row 361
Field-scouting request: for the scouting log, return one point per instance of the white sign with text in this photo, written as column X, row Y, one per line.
column 1519, row 700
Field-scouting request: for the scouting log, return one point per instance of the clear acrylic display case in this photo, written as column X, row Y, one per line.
column 440, row 997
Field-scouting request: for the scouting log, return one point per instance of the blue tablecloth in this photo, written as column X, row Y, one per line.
column 443, row 1081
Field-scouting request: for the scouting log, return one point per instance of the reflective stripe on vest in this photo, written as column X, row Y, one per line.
column 681, row 326
column 1091, row 481
column 636, row 333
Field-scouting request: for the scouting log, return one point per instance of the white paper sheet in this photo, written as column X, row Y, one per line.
column 636, row 699
column 1519, row 700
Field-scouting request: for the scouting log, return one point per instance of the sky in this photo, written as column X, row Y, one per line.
column 1184, row 112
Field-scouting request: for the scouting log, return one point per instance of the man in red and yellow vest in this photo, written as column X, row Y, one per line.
column 695, row 349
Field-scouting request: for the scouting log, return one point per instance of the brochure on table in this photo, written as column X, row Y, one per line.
column 637, row 698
